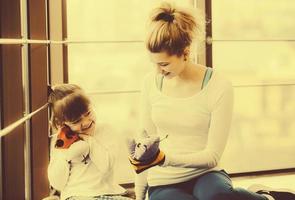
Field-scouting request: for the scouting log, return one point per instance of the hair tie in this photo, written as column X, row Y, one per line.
column 49, row 90
column 166, row 17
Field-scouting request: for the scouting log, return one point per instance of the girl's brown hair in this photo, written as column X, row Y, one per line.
column 172, row 30
column 67, row 102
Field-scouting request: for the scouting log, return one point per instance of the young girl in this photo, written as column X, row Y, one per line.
column 84, row 170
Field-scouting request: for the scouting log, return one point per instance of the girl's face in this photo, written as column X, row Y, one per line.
column 169, row 66
column 83, row 125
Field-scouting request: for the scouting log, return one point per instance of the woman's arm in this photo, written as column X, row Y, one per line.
column 222, row 107
column 146, row 124
column 141, row 185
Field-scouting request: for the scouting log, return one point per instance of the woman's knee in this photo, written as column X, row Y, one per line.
column 229, row 193
column 224, row 194
column 214, row 186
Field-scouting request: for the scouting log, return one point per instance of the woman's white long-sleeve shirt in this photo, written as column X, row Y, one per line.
column 92, row 177
column 198, row 128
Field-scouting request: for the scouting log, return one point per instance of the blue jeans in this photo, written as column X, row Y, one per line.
column 103, row 197
column 215, row 185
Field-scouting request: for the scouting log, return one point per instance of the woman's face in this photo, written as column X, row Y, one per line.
column 83, row 125
column 169, row 66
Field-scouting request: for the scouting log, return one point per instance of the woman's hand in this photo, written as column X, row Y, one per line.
column 145, row 153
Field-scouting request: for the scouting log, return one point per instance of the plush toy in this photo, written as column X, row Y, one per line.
column 145, row 152
column 65, row 138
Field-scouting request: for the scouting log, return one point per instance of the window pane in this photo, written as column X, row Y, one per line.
column 112, row 66
column 10, row 19
column 252, row 62
column 110, row 20
column 12, row 109
column 263, row 130
column 252, row 19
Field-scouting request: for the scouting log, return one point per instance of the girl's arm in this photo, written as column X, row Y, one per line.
column 103, row 147
column 100, row 155
column 222, row 107
column 59, row 165
column 58, row 169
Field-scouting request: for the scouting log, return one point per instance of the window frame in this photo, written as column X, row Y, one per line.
column 209, row 62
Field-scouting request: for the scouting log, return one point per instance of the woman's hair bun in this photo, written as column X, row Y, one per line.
column 167, row 17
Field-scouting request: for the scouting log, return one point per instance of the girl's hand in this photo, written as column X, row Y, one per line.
column 65, row 138
column 84, row 137
column 78, row 151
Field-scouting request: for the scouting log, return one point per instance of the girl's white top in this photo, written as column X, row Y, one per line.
column 198, row 128
column 91, row 178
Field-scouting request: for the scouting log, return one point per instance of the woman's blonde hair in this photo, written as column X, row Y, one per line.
column 173, row 29
column 67, row 102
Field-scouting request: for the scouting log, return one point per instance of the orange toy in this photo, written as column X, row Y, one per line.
column 65, row 138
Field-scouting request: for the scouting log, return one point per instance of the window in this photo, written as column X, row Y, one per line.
column 253, row 44
column 24, row 67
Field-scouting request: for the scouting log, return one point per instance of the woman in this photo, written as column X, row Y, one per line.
column 192, row 104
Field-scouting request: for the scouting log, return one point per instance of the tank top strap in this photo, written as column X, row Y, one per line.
column 207, row 76
column 159, row 81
